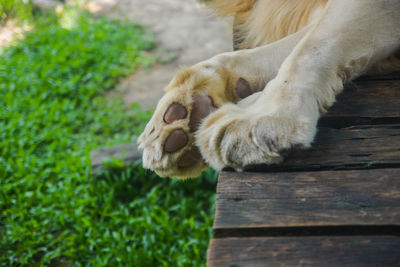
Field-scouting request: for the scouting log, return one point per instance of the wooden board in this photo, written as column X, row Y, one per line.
column 372, row 99
column 363, row 146
column 306, row 199
column 305, row 251
column 390, row 76
column 128, row 152
column 336, row 204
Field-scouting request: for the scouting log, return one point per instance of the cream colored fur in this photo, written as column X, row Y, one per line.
column 321, row 48
column 272, row 20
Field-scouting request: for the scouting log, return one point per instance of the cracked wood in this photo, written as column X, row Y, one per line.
column 300, row 199
column 305, row 251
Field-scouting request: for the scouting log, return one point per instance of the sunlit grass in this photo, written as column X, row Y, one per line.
column 52, row 113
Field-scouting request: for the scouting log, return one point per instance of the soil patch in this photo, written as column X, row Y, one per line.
column 186, row 31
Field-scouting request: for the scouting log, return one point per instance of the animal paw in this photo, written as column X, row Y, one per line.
column 168, row 141
column 242, row 135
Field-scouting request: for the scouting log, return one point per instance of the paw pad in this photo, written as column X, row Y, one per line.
column 201, row 107
column 176, row 140
column 242, row 88
column 174, row 125
column 175, row 112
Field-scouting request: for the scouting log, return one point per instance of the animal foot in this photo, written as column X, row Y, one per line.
column 168, row 141
column 237, row 136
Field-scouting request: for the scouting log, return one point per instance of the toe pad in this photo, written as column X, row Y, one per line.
column 175, row 112
column 242, row 88
column 176, row 140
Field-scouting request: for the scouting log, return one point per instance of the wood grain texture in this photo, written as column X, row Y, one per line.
column 368, row 99
column 390, row 76
column 336, row 204
column 299, row 199
column 363, row 146
column 305, row 251
column 128, row 152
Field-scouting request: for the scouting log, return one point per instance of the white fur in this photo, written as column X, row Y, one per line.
column 299, row 75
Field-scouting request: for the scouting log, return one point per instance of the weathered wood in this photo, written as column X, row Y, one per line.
column 311, row 209
column 365, row 103
column 363, row 146
column 372, row 99
column 129, row 152
column 305, row 199
column 305, row 251
column 390, row 76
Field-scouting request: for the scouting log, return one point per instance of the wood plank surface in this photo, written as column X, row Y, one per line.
column 370, row 99
column 305, row 251
column 129, row 152
column 363, row 146
column 336, row 204
column 306, row 199
column 390, row 76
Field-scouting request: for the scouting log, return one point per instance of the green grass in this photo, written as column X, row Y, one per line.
column 52, row 113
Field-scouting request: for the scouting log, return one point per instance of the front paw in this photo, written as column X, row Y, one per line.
column 236, row 136
column 168, row 139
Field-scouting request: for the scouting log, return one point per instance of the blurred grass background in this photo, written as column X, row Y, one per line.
column 53, row 112
column 19, row 9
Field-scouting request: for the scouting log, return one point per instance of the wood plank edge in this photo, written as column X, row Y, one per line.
column 129, row 153
column 310, row 251
column 383, row 77
column 317, row 167
column 339, row 122
column 341, row 230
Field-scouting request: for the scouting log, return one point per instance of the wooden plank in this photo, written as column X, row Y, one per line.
column 362, row 146
column 305, row 251
column 390, row 76
column 369, row 99
column 326, row 198
column 128, row 152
